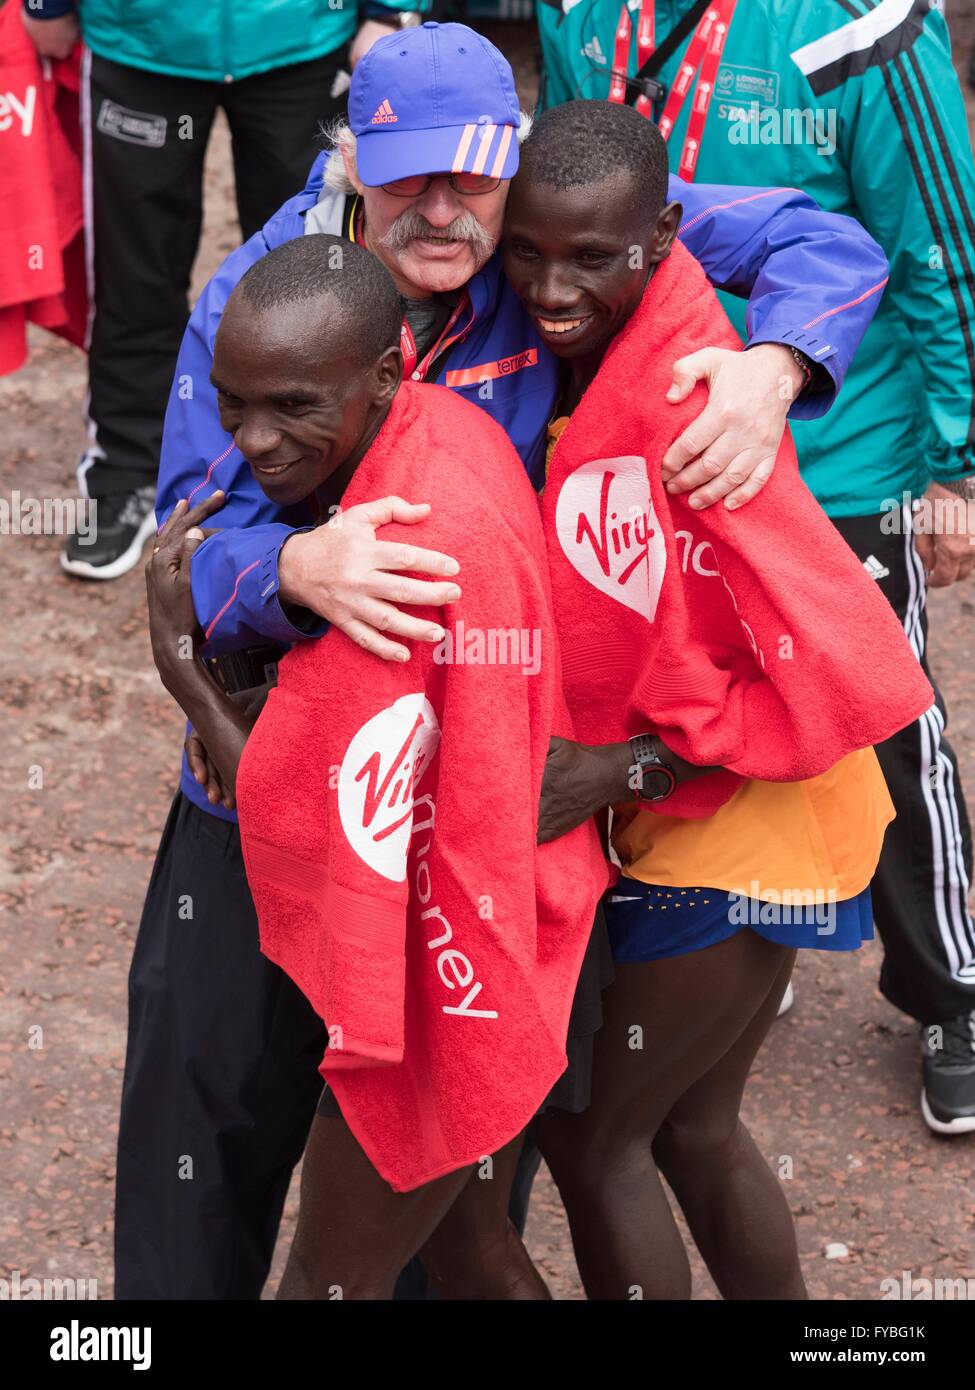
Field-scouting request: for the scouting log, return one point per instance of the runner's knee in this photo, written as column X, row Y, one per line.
column 695, row 1138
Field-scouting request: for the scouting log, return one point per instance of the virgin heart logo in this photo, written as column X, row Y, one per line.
column 377, row 782
column 609, row 531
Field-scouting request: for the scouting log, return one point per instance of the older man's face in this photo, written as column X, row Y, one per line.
column 436, row 241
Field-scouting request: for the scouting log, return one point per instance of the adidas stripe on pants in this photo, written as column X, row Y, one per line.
column 920, row 889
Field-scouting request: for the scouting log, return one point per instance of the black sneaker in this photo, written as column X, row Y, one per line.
column 948, row 1096
column 123, row 520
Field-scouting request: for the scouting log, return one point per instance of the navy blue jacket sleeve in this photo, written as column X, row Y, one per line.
column 813, row 279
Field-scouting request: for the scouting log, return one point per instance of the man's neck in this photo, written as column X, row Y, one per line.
column 334, row 488
column 582, row 372
column 584, row 369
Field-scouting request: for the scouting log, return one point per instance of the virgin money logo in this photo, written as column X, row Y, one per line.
column 608, row 529
column 380, row 772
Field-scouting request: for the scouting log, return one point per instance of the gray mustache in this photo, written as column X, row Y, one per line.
column 411, row 225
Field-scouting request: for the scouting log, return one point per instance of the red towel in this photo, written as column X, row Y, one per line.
column 388, row 815
column 42, row 270
column 749, row 639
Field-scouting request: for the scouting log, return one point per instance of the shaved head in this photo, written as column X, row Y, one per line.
column 582, row 143
column 351, row 294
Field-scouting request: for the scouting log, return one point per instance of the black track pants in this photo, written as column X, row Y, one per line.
column 920, row 889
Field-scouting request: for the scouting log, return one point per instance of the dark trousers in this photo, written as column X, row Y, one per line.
column 920, row 889
column 221, row 1082
column 146, row 141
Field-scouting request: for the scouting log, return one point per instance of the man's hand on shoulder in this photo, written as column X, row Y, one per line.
column 729, row 451
column 344, row 574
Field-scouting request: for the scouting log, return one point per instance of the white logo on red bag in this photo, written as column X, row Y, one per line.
column 608, row 529
column 24, row 110
column 382, row 767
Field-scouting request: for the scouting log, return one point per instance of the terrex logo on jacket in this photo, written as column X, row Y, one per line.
column 378, row 778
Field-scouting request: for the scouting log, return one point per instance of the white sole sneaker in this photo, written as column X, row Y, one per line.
column 126, row 561
column 965, row 1124
column 788, row 999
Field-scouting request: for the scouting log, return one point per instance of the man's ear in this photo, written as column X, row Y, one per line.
column 667, row 226
column 388, row 373
column 352, row 173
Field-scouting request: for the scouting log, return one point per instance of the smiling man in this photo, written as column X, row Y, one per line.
column 578, row 313
column 419, row 176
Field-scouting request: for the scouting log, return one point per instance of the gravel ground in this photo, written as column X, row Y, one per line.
column 835, row 1089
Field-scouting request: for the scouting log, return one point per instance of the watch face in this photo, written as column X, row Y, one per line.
column 657, row 784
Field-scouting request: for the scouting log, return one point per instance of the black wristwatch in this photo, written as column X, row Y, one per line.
column 657, row 778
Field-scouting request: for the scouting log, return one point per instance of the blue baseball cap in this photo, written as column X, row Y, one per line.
column 435, row 99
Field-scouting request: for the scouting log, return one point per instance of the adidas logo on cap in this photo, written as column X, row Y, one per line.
column 384, row 114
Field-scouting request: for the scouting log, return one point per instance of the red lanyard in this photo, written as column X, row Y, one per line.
column 645, row 45
column 703, row 57
column 407, row 342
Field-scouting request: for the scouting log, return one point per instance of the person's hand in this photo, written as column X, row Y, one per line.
column 202, row 767
column 729, row 450
column 947, row 556
column 173, row 627
column 344, row 574
column 53, row 38
column 204, row 770
column 369, row 32
column 580, row 780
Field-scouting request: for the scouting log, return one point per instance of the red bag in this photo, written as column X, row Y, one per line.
column 42, row 261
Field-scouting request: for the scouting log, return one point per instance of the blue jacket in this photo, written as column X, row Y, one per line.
column 807, row 274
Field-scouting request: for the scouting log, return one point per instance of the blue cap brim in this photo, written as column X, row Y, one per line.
column 385, row 154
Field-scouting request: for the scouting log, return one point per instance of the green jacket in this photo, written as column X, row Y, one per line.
column 857, row 103
column 220, row 40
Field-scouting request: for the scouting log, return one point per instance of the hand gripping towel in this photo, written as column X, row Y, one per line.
column 752, row 639
column 388, row 815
